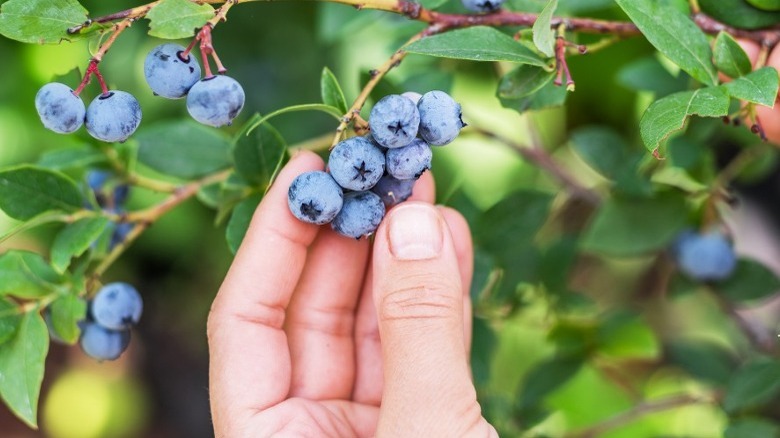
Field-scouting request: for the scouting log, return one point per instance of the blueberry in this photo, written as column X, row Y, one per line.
column 356, row 164
column 394, row 121
column 482, row 5
column 113, row 116
column 121, row 191
column 393, row 191
column 168, row 74
column 101, row 343
column 413, row 96
column 314, row 197
column 120, row 233
column 117, row 306
column 409, row 162
column 706, row 257
column 60, row 110
column 440, row 118
column 96, row 179
column 360, row 216
column 215, row 101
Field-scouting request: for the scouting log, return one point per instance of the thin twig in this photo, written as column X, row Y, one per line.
column 144, row 219
column 639, row 411
column 539, row 157
column 376, row 76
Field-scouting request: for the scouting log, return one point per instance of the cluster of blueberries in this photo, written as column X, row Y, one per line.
column 114, row 310
column 366, row 175
column 114, row 115
column 705, row 256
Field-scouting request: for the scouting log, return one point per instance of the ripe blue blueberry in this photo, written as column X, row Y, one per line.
column 113, row 116
column 96, row 179
column 314, row 197
column 360, row 216
column 117, row 306
column 394, row 121
column 440, row 118
column 168, row 74
column 356, row 164
column 121, row 191
column 482, row 6
column 60, row 110
column 393, row 191
column 409, row 162
column 120, row 233
column 706, row 257
column 101, row 343
column 216, row 100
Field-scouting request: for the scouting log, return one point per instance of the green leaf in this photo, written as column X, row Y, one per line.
column 331, row 91
column 21, row 367
column 64, row 314
column 239, row 221
column 504, row 227
column 28, row 191
column 74, row 239
column 626, row 227
column 259, row 155
column 766, row 5
column 675, row 35
column 549, row 96
column 648, row 74
column 751, row 428
column 729, row 57
column 703, row 359
column 71, row 158
column 739, row 13
column 626, row 336
column 10, row 317
column 544, row 36
column 174, row 19
column 183, row 148
column 335, row 112
column 478, row 43
column 667, row 115
column 523, row 81
column 758, row 87
column 40, row 21
column 432, row 4
column 547, row 376
column 755, row 384
column 750, row 280
column 605, row 151
column 26, row 274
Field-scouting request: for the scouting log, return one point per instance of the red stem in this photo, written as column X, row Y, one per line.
column 92, row 69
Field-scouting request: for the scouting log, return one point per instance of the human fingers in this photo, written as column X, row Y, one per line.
column 249, row 364
column 418, row 296
column 368, row 350
column 321, row 318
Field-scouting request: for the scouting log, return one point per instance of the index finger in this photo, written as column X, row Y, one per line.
column 249, row 364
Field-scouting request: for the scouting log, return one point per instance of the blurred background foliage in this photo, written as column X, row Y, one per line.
column 565, row 338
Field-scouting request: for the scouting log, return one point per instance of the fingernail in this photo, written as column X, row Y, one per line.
column 415, row 232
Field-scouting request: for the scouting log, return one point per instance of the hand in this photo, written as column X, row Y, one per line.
column 294, row 333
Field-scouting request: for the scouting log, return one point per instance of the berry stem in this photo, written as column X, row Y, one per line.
column 92, row 69
column 376, row 76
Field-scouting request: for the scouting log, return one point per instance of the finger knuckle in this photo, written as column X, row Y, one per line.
column 423, row 300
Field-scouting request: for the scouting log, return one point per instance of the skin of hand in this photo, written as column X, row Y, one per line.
column 770, row 117
column 314, row 334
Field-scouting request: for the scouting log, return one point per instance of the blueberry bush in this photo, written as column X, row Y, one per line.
column 593, row 145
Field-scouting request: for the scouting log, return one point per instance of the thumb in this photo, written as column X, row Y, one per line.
column 419, row 302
